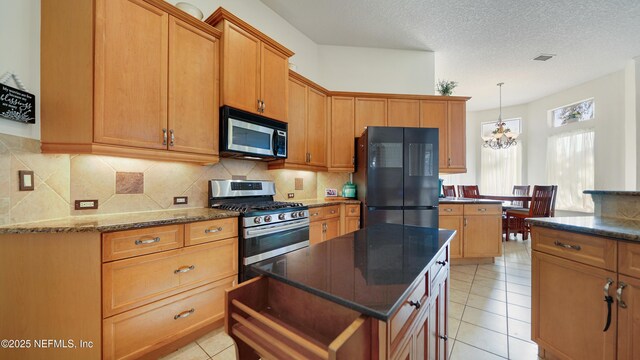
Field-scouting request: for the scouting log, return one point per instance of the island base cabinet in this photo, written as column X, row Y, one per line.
column 629, row 318
column 269, row 319
column 568, row 309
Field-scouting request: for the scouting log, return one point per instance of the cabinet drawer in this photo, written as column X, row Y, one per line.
column 629, row 258
column 205, row 231
column 586, row 249
column 316, row 214
column 134, row 333
column 331, row 211
column 133, row 282
column 450, row 209
column 404, row 316
column 441, row 262
column 124, row 244
column 352, row 210
column 482, row 209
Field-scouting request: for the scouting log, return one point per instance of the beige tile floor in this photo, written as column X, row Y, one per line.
column 489, row 313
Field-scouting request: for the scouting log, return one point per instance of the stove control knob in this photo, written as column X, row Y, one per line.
column 294, row 215
column 257, row 220
column 267, row 218
column 301, row 214
column 282, row 216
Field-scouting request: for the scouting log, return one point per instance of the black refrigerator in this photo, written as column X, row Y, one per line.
column 397, row 176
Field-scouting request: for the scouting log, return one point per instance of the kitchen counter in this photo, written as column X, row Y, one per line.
column 620, row 229
column 450, row 200
column 117, row 222
column 321, row 202
column 371, row 270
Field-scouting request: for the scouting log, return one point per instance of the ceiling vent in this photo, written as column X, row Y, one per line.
column 544, row 57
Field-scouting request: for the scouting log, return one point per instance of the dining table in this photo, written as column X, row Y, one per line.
column 507, row 199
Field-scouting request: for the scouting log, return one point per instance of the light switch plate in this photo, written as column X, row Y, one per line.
column 26, row 180
column 180, row 200
column 86, row 204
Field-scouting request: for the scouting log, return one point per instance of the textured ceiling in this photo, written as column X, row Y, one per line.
column 482, row 42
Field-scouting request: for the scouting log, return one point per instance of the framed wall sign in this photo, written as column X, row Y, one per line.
column 17, row 105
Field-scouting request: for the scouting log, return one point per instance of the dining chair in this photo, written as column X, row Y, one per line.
column 520, row 190
column 449, row 190
column 542, row 204
column 470, row 191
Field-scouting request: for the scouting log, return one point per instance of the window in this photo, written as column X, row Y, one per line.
column 500, row 169
column 570, row 165
column 580, row 111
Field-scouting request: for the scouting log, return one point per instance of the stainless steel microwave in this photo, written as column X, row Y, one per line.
column 251, row 136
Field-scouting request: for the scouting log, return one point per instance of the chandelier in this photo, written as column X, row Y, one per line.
column 501, row 137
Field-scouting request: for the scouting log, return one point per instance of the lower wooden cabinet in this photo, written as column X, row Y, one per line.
column 478, row 229
column 324, row 223
column 351, row 218
column 629, row 318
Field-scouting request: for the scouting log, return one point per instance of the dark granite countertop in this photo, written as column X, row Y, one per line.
column 321, row 203
column 620, row 229
column 371, row 270
column 114, row 222
column 612, row 192
column 451, row 200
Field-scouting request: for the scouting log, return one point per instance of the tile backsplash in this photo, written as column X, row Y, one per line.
column 62, row 179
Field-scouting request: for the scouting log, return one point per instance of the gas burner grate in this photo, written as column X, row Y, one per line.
column 253, row 206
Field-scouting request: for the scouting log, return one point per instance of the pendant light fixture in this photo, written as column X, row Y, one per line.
column 501, row 137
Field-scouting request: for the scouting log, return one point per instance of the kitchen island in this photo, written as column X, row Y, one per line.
column 380, row 292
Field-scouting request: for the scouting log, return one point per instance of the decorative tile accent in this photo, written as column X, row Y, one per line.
column 129, row 183
column 299, row 184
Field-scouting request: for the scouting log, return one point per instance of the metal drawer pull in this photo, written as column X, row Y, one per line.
column 164, row 136
column 443, row 263
column 215, row 230
column 567, row 246
column 621, row 302
column 184, row 314
column 482, row 209
column 315, row 214
column 447, row 209
column 184, row 269
column 415, row 303
column 444, row 337
column 148, row 241
column 333, row 211
column 173, row 138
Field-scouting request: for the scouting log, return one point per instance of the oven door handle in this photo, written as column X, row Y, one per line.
column 276, row 228
column 273, row 253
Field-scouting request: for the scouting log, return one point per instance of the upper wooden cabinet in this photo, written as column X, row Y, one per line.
column 255, row 68
column 449, row 116
column 342, row 140
column 370, row 112
column 308, row 124
column 143, row 81
column 403, row 112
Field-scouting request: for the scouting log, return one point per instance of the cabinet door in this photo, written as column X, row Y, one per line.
column 456, row 136
column 297, row 128
column 437, row 330
column 342, row 139
column 193, row 94
column 273, row 82
column 482, row 236
column 352, row 224
column 130, row 90
column 316, row 232
column 332, row 228
column 568, row 312
column 370, row 112
column 421, row 338
column 454, row 223
column 404, row 352
column 317, row 127
column 433, row 114
column 629, row 319
column 240, row 68
column 403, row 112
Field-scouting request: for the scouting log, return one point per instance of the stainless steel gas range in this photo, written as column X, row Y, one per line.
column 268, row 228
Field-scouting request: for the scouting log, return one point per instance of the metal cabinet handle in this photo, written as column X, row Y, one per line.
column 164, row 136
column 148, row 241
column 173, row 138
column 214, row 230
column 184, row 269
column 259, row 105
column 184, row 314
column 609, row 300
column 443, row 263
column 621, row 302
column 333, row 211
column 465, row 221
column 449, row 162
column 324, row 227
column 315, row 214
column 263, row 106
column 444, row 337
column 415, row 303
column 447, row 209
column 567, row 246
column 309, row 157
column 482, row 209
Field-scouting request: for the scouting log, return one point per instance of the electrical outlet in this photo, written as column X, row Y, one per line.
column 290, row 195
column 86, row 204
column 180, row 200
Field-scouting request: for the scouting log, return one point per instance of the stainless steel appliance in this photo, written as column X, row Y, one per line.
column 251, row 136
column 267, row 228
column 397, row 176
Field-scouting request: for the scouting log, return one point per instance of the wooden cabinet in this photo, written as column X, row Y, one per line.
column 144, row 83
column 324, row 223
column 629, row 318
column 403, row 112
column 369, row 112
column 255, row 68
column 449, row 116
column 342, row 140
column 478, row 227
column 307, row 126
column 351, row 217
column 437, row 328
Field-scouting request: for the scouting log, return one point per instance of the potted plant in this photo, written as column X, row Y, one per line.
column 445, row 87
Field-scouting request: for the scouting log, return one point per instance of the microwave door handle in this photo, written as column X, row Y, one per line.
column 274, row 143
